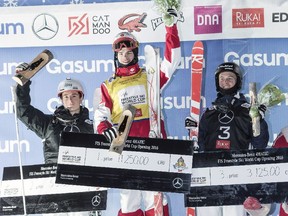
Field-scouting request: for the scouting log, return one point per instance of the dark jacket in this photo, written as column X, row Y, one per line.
column 228, row 126
column 49, row 127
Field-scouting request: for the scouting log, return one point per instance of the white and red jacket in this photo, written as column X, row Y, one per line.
column 129, row 86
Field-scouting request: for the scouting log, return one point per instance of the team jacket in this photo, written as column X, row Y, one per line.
column 49, row 127
column 129, row 86
column 231, row 130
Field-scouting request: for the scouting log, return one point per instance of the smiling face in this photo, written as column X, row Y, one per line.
column 125, row 56
column 72, row 100
column 227, row 80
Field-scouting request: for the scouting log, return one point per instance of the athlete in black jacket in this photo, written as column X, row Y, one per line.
column 70, row 116
column 227, row 125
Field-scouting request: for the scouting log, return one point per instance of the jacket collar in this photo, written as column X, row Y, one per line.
column 127, row 71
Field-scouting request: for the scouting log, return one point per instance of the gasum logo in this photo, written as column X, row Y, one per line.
column 258, row 59
column 11, row 28
column 7, row 146
column 45, row 26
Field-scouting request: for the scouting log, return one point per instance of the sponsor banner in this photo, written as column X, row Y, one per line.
column 228, row 178
column 66, row 25
column 43, row 195
column 145, row 164
column 91, row 24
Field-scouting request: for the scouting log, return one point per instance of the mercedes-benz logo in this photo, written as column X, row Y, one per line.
column 177, row 183
column 226, row 118
column 96, row 200
column 45, row 26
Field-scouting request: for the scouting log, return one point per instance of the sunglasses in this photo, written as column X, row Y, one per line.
column 124, row 44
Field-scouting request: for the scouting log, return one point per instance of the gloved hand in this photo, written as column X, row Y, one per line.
column 262, row 109
column 170, row 17
column 190, row 123
column 252, row 203
column 172, row 12
column 22, row 67
column 110, row 134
